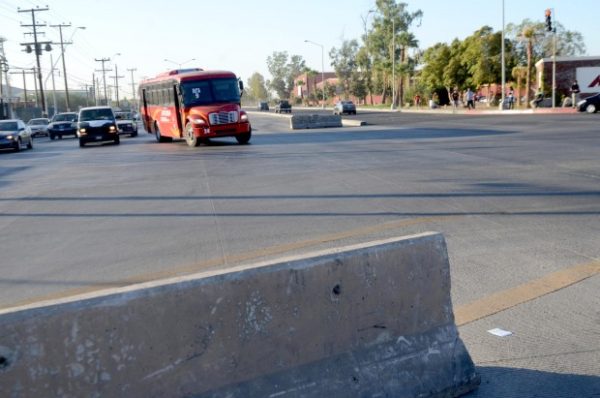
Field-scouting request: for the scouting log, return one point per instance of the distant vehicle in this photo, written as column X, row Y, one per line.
column 14, row 134
column 194, row 105
column 590, row 104
column 63, row 124
column 97, row 124
column 263, row 106
column 283, row 106
column 342, row 107
column 126, row 124
column 38, row 127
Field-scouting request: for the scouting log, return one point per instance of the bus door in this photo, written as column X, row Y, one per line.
column 169, row 118
column 179, row 107
column 146, row 117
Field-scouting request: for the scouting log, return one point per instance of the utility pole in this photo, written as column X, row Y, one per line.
column 53, row 86
column 4, row 68
column 95, row 88
column 37, row 48
column 62, row 54
column 133, row 86
column 117, row 77
column 104, row 70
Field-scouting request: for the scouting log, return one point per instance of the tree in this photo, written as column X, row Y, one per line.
column 392, row 21
column 257, row 87
column 283, row 72
column 345, row 64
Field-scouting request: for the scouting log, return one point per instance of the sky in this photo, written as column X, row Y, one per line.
column 239, row 35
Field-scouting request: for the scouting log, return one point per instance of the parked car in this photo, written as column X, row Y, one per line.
column 126, row 124
column 97, row 124
column 38, row 126
column 342, row 107
column 63, row 124
column 14, row 134
column 590, row 104
column 263, row 106
column 283, row 106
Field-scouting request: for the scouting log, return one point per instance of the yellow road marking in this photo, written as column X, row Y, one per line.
column 503, row 300
column 238, row 258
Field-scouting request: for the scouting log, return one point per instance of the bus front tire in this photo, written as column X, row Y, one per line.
column 244, row 138
column 190, row 138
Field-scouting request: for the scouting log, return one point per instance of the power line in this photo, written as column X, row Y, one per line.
column 62, row 52
column 104, row 70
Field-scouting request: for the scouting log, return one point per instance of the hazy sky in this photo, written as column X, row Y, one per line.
column 238, row 35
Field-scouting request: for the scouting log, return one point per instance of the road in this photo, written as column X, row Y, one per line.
column 518, row 199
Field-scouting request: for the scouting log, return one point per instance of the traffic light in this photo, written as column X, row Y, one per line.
column 549, row 20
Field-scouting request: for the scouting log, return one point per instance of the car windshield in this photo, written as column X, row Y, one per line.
column 123, row 116
column 96, row 114
column 38, row 122
column 8, row 126
column 206, row 92
column 65, row 117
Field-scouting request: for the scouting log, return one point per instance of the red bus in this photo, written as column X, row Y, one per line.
column 194, row 105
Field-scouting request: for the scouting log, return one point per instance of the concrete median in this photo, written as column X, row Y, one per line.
column 315, row 121
column 366, row 320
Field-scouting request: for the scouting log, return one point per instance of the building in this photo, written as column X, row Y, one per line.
column 586, row 70
column 307, row 84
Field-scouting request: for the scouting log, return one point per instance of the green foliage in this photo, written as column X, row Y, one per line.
column 345, row 64
column 256, row 87
column 284, row 72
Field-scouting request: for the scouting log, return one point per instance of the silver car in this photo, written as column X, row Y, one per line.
column 15, row 135
column 38, row 126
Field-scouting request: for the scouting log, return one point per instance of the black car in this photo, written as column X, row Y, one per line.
column 590, row 104
column 15, row 135
column 283, row 106
column 63, row 124
column 342, row 107
column 97, row 124
column 263, row 106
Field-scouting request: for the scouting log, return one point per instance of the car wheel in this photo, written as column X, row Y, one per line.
column 134, row 134
column 18, row 147
column 190, row 138
column 30, row 145
column 243, row 139
column 60, row 136
column 117, row 140
column 591, row 108
column 81, row 143
column 52, row 137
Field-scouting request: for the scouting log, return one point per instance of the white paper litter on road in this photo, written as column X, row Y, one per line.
column 499, row 332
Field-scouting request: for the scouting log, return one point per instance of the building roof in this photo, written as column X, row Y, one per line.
column 569, row 59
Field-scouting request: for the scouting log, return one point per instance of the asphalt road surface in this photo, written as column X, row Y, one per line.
column 517, row 197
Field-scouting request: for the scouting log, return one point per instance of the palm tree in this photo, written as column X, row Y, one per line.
column 529, row 36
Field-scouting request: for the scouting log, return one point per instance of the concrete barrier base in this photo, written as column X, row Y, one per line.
column 370, row 320
column 315, row 121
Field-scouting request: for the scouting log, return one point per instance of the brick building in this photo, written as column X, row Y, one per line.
column 586, row 70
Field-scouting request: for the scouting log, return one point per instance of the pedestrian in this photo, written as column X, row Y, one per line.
column 418, row 101
column 511, row 98
column 574, row 92
column 455, row 97
column 470, row 99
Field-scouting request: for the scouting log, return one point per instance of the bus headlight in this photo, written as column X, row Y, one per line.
column 198, row 122
column 243, row 117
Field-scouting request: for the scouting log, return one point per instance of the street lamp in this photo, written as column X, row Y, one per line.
column 393, row 64
column 322, row 66
column 180, row 64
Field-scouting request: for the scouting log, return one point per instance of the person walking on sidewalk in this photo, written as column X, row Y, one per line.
column 574, row 92
column 455, row 97
column 470, row 95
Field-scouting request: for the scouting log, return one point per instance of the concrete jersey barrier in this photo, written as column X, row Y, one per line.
column 315, row 121
column 366, row 320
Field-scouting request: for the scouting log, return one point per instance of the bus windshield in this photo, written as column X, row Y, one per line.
column 206, row 92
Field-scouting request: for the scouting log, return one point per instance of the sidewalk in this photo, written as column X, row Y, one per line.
column 482, row 110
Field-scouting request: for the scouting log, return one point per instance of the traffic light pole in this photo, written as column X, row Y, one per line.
column 554, row 63
column 37, row 50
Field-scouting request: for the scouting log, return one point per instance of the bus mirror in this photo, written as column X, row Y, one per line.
column 241, row 85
